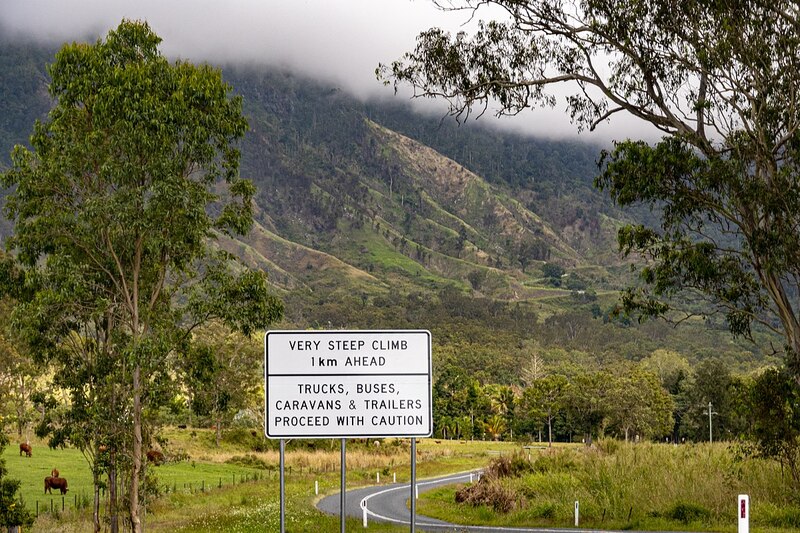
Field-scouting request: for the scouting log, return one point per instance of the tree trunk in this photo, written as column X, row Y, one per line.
column 218, row 430
column 136, row 523
column 21, row 406
column 96, row 501
column 549, row 430
column 113, row 508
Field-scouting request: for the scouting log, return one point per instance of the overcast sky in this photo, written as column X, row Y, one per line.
column 337, row 41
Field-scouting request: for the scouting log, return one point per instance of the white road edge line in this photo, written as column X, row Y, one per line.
column 363, row 505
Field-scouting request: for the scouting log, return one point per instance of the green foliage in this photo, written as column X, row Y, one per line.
column 249, row 460
column 553, row 272
column 774, row 399
column 12, row 509
column 687, row 512
column 127, row 180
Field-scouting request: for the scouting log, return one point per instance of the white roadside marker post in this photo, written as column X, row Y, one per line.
column 576, row 513
column 744, row 513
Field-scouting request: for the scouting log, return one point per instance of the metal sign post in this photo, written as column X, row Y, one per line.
column 283, row 487
column 343, row 491
column 413, row 484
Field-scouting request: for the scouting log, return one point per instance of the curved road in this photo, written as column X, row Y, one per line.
column 387, row 503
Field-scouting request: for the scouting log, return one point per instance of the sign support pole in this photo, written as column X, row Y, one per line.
column 413, row 484
column 283, row 486
column 342, row 491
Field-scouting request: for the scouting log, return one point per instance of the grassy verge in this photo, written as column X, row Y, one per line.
column 621, row 486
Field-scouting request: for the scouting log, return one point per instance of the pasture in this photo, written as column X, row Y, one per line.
column 186, row 476
column 250, row 504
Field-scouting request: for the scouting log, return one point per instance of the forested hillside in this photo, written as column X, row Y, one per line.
column 369, row 215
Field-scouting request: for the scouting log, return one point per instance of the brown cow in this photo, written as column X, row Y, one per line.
column 54, row 472
column 25, row 448
column 59, row 483
column 155, row 457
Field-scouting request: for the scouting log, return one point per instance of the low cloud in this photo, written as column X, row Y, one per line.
column 340, row 42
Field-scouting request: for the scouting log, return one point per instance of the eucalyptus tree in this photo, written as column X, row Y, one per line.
column 129, row 179
column 544, row 398
column 638, row 404
column 718, row 78
column 19, row 374
column 223, row 374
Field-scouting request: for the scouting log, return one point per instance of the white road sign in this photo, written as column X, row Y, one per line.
column 322, row 384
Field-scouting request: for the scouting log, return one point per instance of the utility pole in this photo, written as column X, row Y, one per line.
column 710, row 412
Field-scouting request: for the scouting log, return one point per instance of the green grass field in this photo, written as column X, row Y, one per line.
column 188, row 476
column 251, row 504
column 620, row 486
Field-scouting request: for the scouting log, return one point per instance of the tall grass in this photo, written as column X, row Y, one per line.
column 643, row 486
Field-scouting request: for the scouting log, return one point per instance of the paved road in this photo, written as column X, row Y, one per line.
column 388, row 503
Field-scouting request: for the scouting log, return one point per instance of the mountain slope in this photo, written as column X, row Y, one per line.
column 371, row 216
column 346, row 203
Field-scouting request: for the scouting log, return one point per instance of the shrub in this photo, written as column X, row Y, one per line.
column 490, row 492
column 248, row 460
column 508, row 466
column 543, row 510
column 687, row 512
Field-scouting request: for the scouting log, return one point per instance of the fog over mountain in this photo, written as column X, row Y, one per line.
column 338, row 42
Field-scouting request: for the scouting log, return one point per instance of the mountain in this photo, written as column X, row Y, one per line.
column 347, row 179
column 369, row 215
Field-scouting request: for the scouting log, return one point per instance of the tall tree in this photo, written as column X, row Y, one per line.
column 712, row 382
column 718, row 78
column 131, row 175
column 775, row 396
column 19, row 374
column 638, row 403
column 224, row 374
column 587, row 401
column 545, row 397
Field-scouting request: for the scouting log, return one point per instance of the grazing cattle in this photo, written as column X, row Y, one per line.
column 54, row 472
column 25, row 448
column 155, row 457
column 59, row 483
